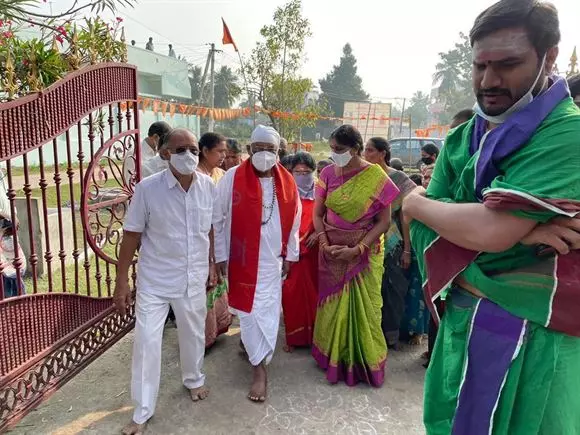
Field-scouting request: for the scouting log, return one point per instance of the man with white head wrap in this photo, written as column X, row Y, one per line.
column 256, row 221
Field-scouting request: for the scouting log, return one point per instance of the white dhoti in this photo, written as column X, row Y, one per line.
column 151, row 312
column 259, row 328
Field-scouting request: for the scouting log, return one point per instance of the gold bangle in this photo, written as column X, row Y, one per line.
column 365, row 245
column 361, row 248
column 322, row 233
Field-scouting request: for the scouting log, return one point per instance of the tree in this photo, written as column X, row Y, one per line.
column 195, row 76
column 342, row 83
column 273, row 67
column 226, row 87
column 227, row 90
column 419, row 109
column 453, row 76
column 26, row 11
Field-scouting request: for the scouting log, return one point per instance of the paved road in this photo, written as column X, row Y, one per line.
column 301, row 401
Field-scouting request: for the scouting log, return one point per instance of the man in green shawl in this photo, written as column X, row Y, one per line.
column 499, row 233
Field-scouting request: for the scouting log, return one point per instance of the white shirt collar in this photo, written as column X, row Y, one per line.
column 172, row 181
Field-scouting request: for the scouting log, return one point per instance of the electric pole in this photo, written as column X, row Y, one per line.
column 212, row 87
column 202, row 87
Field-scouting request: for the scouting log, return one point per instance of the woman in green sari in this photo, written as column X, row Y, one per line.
column 351, row 212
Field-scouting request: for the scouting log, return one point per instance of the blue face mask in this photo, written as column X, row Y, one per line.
column 305, row 183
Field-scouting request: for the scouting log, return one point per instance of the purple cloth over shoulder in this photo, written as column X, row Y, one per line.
column 512, row 134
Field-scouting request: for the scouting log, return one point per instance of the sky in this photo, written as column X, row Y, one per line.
column 396, row 42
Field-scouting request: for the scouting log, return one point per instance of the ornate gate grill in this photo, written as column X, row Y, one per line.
column 68, row 154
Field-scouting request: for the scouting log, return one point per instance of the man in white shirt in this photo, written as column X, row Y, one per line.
column 256, row 222
column 150, row 160
column 170, row 219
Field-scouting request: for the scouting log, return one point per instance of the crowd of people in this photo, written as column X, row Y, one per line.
column 477, row 252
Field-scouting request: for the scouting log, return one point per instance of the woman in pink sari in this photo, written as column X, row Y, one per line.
column 351, row 214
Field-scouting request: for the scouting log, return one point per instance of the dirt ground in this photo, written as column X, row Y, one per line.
column 300, row 400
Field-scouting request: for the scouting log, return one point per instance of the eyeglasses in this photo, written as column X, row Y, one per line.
column 268, row 150
column 182, row 150
column 302, row 172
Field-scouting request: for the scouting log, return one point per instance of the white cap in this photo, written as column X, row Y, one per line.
column 264, row 134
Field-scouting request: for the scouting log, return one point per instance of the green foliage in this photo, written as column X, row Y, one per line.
column 227, row 89
column 195, row 76
column 239, row 129
column 453, row 74
column 419, row 110
column 298, row 112
column 26, row 11
column 50, row 64
column 31, row 64
column 343, row 83
column 273, row 70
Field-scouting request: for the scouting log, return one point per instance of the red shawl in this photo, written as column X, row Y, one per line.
column 247, row 228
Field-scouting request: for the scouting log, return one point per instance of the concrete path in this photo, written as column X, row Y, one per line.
column 301, row 401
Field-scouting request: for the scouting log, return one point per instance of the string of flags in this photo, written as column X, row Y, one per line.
column 168, row 108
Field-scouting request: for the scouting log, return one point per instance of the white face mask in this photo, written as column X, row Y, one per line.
column 526, row 99
column 185, row 163
column 341, row 160
column 264, row 160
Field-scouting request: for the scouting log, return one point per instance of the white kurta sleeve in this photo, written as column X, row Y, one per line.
column 137, row 215
column 221, row 209
column 293, row 248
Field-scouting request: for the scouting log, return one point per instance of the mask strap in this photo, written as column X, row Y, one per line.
column 499, row 119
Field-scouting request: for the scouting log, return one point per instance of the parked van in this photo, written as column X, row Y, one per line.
column 408, row 149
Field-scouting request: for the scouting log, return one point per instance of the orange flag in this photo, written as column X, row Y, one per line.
column 227, row 38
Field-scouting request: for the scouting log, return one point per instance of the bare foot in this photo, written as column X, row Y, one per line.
column 288, row 348
column 200, row 393
column 258, row 391
column 134, row 428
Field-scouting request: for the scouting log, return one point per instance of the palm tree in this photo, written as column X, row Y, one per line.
column 419, row 109
column 227, row 90
column 453, row 76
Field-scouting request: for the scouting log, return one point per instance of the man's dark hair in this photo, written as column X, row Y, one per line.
column 538, row 18
column 431, row 149
column 396, row 164
column 287, row 161
column 303, row 158
column 574, row 85
column 463, row 116
column 209, row 141
column 159, row 128
column 323, row 164
column 417, row 179
column 382, row 144
column 234, row 146
column 348, row 136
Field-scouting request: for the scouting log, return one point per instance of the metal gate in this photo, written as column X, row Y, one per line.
column 68, row 155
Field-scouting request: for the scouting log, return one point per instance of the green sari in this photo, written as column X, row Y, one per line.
column 538, row 393
column 348, row 342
